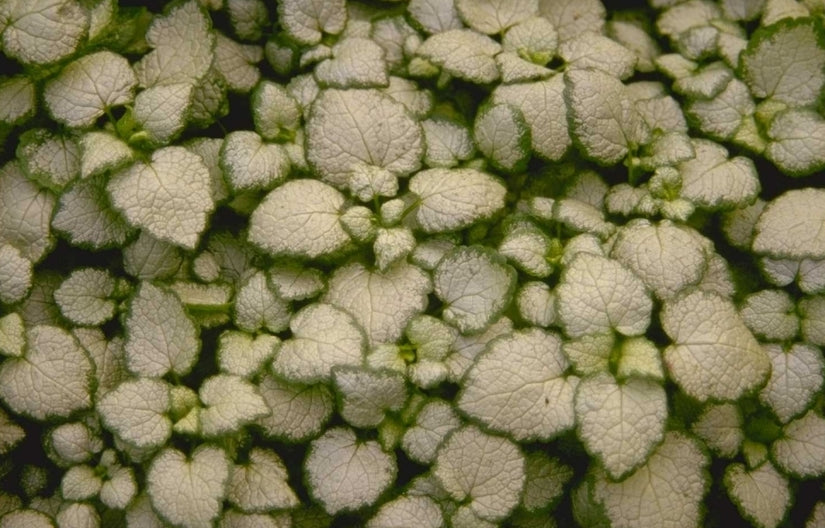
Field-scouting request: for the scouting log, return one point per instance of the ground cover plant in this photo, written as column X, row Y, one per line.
column 431, row 263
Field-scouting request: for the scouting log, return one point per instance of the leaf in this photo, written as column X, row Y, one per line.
column 307, row 22
column 25, row 211
column 323, row 337
column 762, row 495
column 434, row 16
column 355, row 63
column 408, row 510
column 257, row 307
column 275, row 112
column 160, row 338
column 10, row 433
column 298, row 412
column 183, row 47
column 42, row 31
column 620, row 423
column 502, row 136
column 603, row 119
column 88, row 87
column 345, row 474
column 299, row 218
column 229, row 403
column 17, row 99
column 453, row 199
column 770, row 315
column 573, row 17
column 713, row 181
column 434, row 421
column 52, row 379
column 796, row 142
column 593, row 51
column 463, row 53
column 244, row 355
column 26, row 518
column 343, row 137
column 475, row 285
column 188, row 491
column 495, row 16
column 447, row 143
column 261, row 484
column 381, row 302
column 483, row 472
column 790, row 226
column 785, row 61
column 518, row 387
column 365, row 396
column 591, row 303
column 83, row 297
column 801, row 450
column 136, row 411
column 15, row 274
column 666, row 491
column 720, row 426
column 544, row 110
column 545, row 481
column 722, row 116
column 700, row 325
column 12, row 335
column 666, row 256
column 249, row 163
column 170, row 196
column 85, row 216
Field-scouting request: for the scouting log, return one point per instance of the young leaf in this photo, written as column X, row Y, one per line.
column 476, row 285
column 700, row 324
column 244, row 355
column 453, row 199
column 355, row 63
column 447, row 143
column 52, row 379
column 484, row 472
column 620, row 423
column 257, row 307
column 344, row 473
column 518, row 386
column 713, row 181
column 136, row 412
column 160, row 337
column 188, row 491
